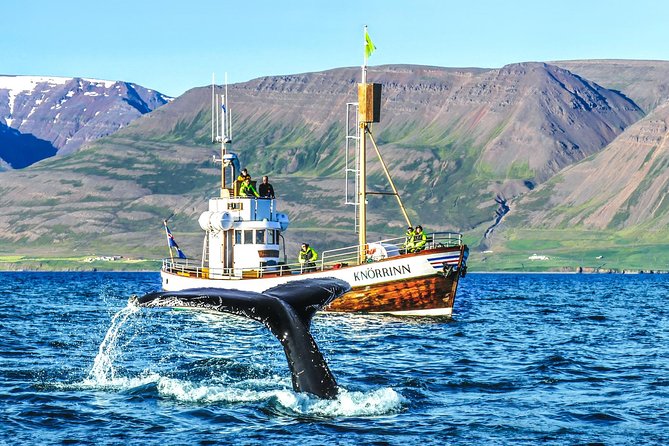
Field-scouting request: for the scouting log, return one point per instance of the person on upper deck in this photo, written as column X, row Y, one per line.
column 247, row 189
column 307, row 257
column 419, row 239
column 244, row 175
column 265, row 189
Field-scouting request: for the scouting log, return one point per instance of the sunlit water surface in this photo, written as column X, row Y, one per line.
column 526, row 359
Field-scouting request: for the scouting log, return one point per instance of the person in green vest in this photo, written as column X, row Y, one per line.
column 419, row 239
column 307, row 257
column 407, row 246
column 247, row 189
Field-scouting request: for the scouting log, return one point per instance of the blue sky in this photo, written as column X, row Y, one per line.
column 173, row 46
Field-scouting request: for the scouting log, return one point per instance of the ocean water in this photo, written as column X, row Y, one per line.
column 526, row 359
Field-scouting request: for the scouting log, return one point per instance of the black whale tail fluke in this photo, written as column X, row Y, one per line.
column 286, row 310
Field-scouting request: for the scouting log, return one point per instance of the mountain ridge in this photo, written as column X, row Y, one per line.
column 65, row 112
column 461, row 143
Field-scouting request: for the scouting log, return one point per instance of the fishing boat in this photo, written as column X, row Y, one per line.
column 244, row 236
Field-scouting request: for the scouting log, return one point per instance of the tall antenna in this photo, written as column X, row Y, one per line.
column 214, row 115
column 229, row 122
column 225, row 137
column 216, row 129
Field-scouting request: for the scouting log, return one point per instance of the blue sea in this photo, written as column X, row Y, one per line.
column 526, row 359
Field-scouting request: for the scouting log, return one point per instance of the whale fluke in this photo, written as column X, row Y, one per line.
column 286, row 310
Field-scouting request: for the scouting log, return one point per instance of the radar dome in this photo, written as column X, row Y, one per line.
column 283, row 220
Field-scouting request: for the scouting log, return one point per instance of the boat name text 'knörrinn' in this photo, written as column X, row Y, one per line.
column 377, row 273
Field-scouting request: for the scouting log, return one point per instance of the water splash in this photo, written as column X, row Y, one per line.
column 103, row 372
column 271, row 391
column 347, row 404
column 284, row 401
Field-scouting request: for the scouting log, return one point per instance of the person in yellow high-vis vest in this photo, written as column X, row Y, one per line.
column 307, row 258
column 419, row 239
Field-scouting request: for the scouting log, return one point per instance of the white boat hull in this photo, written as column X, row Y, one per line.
column 412, row 284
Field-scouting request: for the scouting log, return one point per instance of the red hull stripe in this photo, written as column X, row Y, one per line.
column 450, row 259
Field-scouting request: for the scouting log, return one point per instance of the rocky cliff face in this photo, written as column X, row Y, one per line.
column 646, row 82
column 46, row 116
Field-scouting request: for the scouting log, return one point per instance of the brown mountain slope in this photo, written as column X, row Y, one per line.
column 624, row 186
column 551, row 118
column 646, row 82
column 526, row 121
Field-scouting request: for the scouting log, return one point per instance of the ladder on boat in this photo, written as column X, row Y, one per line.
column 352, row 172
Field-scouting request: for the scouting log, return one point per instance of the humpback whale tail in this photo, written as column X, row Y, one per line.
column 286, row 310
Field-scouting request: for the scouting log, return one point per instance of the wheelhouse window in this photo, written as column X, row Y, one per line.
column 238, row 237
column 260, row 237
column 248, row 236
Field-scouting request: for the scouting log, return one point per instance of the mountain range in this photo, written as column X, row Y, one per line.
column 567, row 158
column 45, row 116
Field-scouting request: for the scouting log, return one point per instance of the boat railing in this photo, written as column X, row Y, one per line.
column 330, row 259
column 350, row 254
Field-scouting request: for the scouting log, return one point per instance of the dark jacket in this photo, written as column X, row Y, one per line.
column 266, row 190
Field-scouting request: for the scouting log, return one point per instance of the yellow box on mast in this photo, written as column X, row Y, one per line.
column 369, row 102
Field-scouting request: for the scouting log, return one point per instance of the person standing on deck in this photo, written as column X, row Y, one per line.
column 265, row 189
column 408, row 240
column 307, row 257
column 419, row 239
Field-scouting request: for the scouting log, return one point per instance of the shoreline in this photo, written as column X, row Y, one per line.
column 104, row 270
column 21, row 263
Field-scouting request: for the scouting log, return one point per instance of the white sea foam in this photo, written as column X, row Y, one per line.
column 348, row 404
column 206, row 393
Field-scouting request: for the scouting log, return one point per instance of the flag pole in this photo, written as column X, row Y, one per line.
column 364, row 56
column 167, row 235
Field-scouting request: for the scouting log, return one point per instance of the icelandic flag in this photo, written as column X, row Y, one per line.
column 172, row 243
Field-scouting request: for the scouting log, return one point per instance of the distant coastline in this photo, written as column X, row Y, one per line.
column 88, row 263
column 118, row 263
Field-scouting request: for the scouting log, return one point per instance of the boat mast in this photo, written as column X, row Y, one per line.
column 362, row 160
column 369, row 110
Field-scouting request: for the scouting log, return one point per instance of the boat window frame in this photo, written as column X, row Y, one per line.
column 248, row 236
column 260, row 236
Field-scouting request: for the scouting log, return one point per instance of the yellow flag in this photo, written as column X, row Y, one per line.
column 369, row 46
